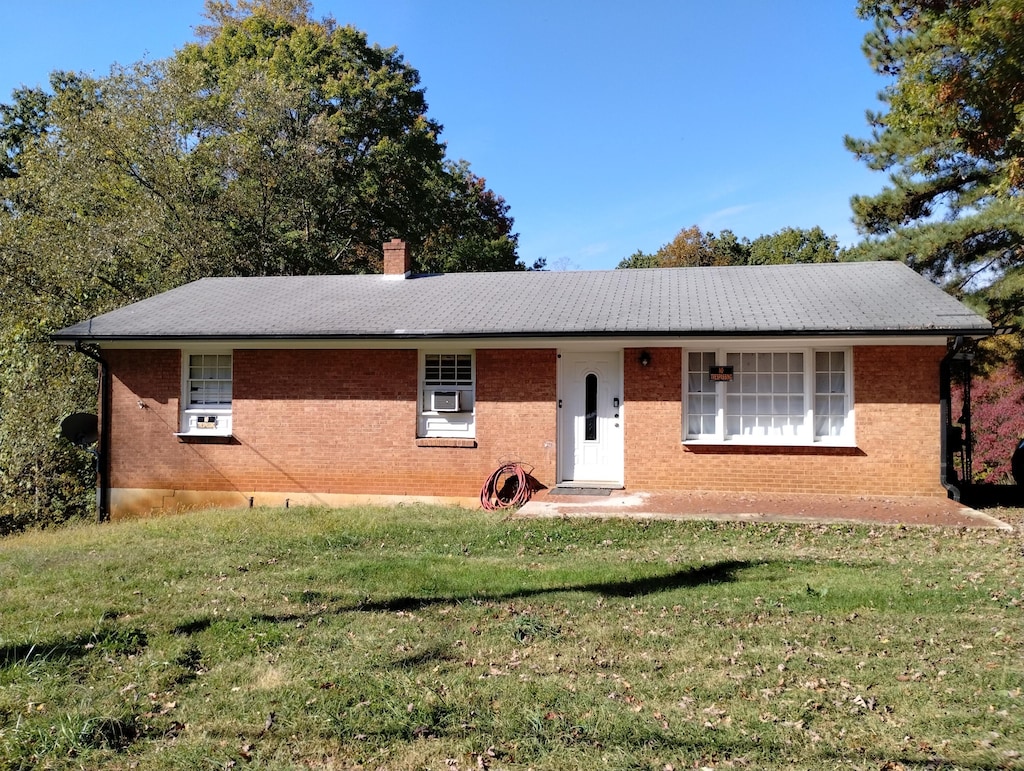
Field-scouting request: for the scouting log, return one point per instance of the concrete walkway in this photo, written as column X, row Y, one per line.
column 749, row 507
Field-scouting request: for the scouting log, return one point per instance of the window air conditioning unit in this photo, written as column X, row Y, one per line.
column 445, row 401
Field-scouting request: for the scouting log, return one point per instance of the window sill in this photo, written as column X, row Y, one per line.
column 764, row 443
column 444, row 441
column 206, row 438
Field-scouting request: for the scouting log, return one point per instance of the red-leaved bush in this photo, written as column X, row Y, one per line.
column 997, row 421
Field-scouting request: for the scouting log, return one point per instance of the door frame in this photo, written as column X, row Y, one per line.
column 564, row 419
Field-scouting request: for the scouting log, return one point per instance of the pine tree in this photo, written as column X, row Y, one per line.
column 952, row 138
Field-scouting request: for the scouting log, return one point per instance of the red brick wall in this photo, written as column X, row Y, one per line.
column 145, row 391
column 516, row 412
column 896, row 404
column 344, row 421
column 898, row 420
column 329, row 421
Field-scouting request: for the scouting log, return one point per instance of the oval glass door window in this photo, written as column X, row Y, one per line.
column 590, row 425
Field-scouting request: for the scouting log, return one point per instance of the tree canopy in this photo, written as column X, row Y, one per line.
column 272, row 145
column 693, row 247
column 952, row 138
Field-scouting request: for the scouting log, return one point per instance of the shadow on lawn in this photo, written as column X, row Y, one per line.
column 109, row 640
column 716, row 573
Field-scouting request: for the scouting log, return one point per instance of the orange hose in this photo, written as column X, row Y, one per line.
column 506, row 488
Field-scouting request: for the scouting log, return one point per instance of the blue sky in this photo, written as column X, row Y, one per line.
column 607, row 126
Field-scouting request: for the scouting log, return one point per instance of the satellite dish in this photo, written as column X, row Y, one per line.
column 81, row 429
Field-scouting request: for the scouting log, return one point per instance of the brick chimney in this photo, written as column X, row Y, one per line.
column 397, row 261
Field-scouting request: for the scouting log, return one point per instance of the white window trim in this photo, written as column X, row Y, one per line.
column 805, row 438
column 431, row 424
column 189, row 415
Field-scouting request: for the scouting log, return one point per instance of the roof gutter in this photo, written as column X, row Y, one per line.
column 103, row 453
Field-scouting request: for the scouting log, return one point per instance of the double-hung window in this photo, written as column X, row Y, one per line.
column 795, row 396
column 206, row 394
column 447, row 394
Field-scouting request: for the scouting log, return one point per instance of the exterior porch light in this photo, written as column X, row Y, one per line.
column 645, row 358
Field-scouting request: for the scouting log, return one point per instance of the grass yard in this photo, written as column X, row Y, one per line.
column 419, row 637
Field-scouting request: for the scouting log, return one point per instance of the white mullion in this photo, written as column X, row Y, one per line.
column 720, row 398
column 850, row 425
column 810, row 387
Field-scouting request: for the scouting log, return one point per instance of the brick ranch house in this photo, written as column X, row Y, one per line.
column 340, row 389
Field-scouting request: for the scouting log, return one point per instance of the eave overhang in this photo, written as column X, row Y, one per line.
column 654, row 338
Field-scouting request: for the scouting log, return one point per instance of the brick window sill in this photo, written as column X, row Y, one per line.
column 442, row 441
column 206, row 439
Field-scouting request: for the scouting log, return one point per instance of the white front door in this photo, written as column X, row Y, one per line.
column 590, row 418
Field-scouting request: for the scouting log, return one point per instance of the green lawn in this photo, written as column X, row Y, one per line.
column 420, row 637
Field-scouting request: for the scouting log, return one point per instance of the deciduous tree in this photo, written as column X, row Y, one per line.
column 473, row 229
column 21, row 121
column 694, row 248
column 275, row 144
column 791, row 245
column 997, row 421
column 328, row 139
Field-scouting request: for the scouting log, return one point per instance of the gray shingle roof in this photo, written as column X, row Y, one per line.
column 837, row 298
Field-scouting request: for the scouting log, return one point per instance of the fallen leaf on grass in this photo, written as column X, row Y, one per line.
column 910, row 677
column 174, row 729
column 868, row 704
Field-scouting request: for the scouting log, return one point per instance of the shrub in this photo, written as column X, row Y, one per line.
column 997, row 421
